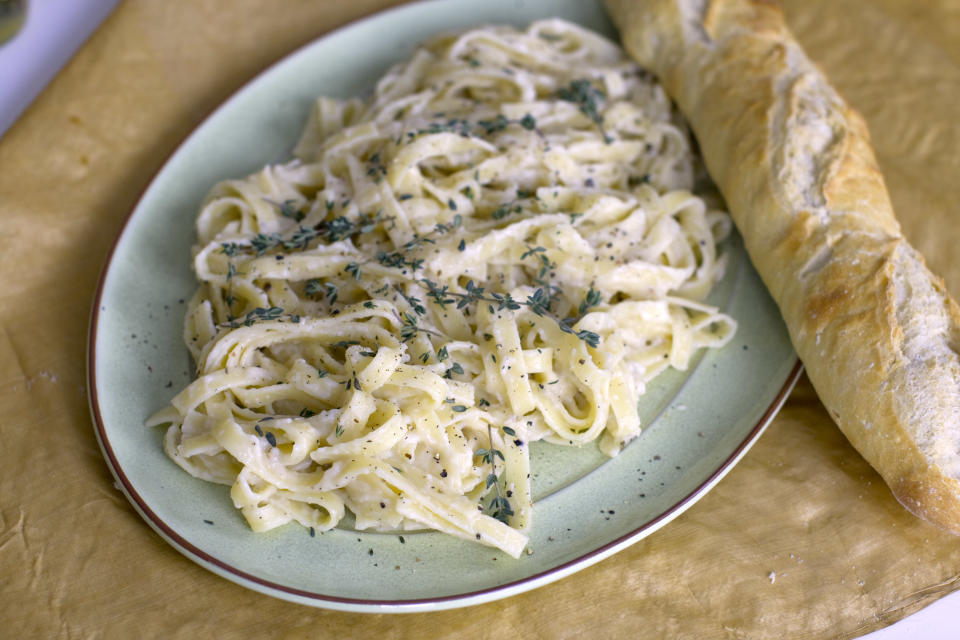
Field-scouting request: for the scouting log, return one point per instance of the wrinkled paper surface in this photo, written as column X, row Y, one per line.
column 801, row 540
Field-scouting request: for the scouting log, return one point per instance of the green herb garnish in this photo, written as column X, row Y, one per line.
column 587, row 98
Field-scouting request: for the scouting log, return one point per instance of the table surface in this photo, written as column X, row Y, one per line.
column 49, row 38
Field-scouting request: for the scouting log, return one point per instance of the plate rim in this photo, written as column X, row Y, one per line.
column 363, row 605
column 367, row 605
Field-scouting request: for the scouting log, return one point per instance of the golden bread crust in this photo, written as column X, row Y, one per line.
column 876, row 330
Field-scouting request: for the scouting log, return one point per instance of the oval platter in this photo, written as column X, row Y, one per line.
column 699, row 422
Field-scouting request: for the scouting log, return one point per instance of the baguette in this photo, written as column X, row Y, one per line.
column 877, row 332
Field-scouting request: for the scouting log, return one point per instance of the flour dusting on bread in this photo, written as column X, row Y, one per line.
column 877, row 331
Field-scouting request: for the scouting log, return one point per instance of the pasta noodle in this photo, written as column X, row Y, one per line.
column 500, row 245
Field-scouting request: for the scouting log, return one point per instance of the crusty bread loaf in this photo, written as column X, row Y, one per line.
column 875, row 329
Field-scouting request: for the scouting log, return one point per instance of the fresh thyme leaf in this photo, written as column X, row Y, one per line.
column 539, row 303
column 313, row 286
column 338, row 228
column 289, row 209
column 499, row 123
column 505, row 301
column 528, row 122
column 231, row 249
column 509, row 431
column 501, row 509
column 261, row 313
column 587, row 98
column 301, row 238
column 376, row 170
column 306, row 413
column 532, row 251
column 262, row 243
column 504, row 210
column 473, row 292
column 394, row 259
column 440, row 295
column 417, row 241
column 353, row 269
column 592, row 299
column 368, row 223
column 332, row 292
column 458, row 408
column 455, row 222
column 409, row 328
column 589, row 337
column 413, row 301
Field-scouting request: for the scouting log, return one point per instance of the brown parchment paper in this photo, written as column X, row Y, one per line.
column 801, row 540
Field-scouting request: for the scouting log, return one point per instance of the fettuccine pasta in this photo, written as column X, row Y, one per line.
column 499, row 246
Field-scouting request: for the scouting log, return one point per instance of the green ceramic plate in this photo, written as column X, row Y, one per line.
column 587, row 507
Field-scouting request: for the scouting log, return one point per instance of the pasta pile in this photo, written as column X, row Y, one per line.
column 499, row 246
